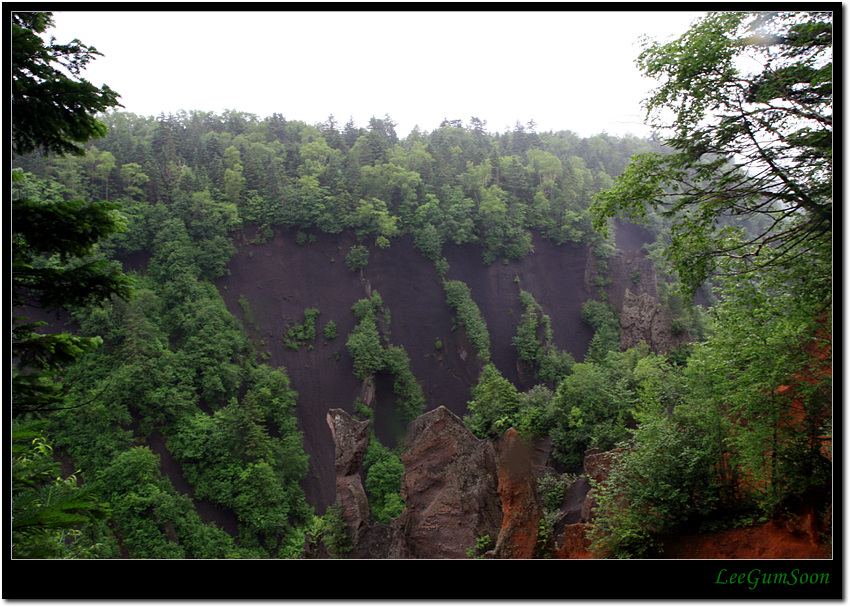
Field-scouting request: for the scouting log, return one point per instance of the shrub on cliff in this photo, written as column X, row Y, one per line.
column 459, row 297
column 668, row 481
column 357, row 258
column 494, row 404
column 333, row 531
column 534, row 342
column 384, row 472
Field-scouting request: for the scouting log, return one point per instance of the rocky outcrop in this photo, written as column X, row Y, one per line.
column 575, row 544
column 351, row 437
column 457, row 489
column 632, row 289
column 643, row 319
column 521, row 507
column 634, row 292
column 597, row 466
column 633, row 273
column 449, row 488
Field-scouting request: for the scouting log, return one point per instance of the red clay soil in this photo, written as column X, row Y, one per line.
column 773, row 540
column 521, row 508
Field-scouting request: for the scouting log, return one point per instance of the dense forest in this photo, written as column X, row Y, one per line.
column 128, row 344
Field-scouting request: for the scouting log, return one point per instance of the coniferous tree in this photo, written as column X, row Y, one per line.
column 54, row 114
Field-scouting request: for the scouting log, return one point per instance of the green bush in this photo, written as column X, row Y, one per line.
column 411, row 398
column 603, row 319
column 668, row 482
column 298, row 335
column 384, row 472
column 482, row 545
column 593, row 406
column 536, row 415
column 247, row 312
column 552, row 489
column 534, row 342
column 460, row 299
column 494, row 405
column 370, row 356
column 365, row 348
column 330, row 330
column 333, row 532
column 357, row 258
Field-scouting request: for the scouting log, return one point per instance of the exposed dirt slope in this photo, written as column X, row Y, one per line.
column 773, row 540
column 281, row 278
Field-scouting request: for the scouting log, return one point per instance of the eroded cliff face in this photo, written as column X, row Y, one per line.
column 630, row 284
column 634, row 292
column 272, row 283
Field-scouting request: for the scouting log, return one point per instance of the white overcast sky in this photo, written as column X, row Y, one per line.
column 566, row 70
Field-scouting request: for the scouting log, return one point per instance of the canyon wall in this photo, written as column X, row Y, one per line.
column 271, row 284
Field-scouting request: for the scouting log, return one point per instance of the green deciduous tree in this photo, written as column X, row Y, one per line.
column 593, row 406
column 667, row 481
column 745, row 102
column 768, row 366
column 357, row 258
column 495, row 402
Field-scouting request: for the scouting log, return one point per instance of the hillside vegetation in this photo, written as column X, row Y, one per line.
column 245, row 275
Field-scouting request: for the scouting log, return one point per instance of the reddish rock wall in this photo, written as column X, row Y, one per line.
column 521, row 507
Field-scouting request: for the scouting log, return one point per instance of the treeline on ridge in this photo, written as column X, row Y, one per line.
column 455, row 184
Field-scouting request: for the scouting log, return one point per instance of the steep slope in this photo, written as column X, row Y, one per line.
column 553, row 274
column 278, row 280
